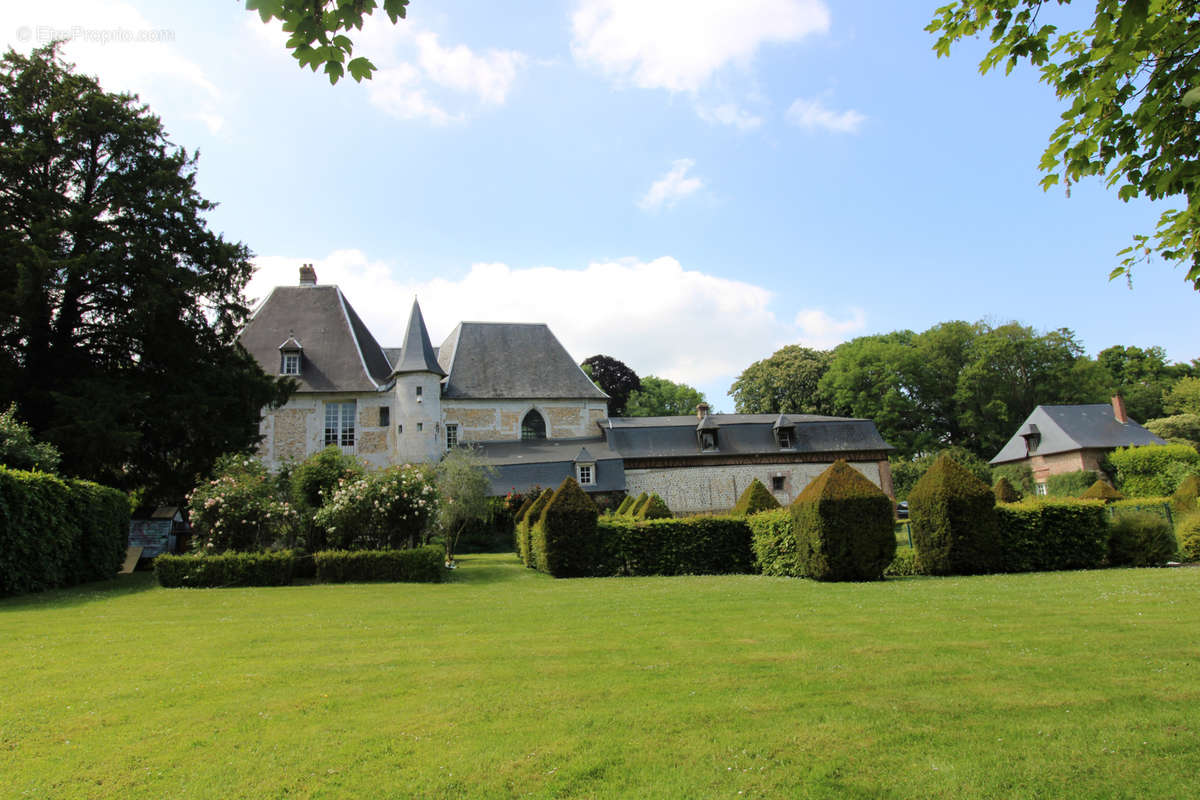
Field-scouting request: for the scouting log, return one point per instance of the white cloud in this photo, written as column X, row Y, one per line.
column 124, row 49
column 672, row 187
column 818, row 330
column 489, row 76
column 672, row 322
column 681, row 44
column 729, row 114
column 398, row 91
column 813, row 114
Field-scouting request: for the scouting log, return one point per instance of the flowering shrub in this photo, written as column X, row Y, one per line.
column 240, row 509
column 388, row 509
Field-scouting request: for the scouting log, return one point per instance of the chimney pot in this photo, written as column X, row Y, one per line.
column 1118, row 404
column 308, row 275
column 702, row 410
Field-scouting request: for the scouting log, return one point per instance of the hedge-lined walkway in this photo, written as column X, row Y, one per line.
column 504, row 682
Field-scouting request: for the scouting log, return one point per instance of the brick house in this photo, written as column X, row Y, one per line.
column 1058, row 439
column 513, row 391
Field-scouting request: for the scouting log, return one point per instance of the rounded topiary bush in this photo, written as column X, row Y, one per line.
column 1005, row 492
column 654, row 508
column 953, row 521
column 565, row 537
column 843, row 527
column 1185, row 497
column 1101, row 491
column 1188, row 531
column 1141, row 540
column 755, row 498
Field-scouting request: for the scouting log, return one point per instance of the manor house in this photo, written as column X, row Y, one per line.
column 512, row 391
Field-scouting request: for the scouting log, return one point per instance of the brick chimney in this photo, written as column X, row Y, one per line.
column 702, row 410
column 308, row 275
column 1118, row 404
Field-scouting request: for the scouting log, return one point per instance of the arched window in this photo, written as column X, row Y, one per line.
column 533, row 426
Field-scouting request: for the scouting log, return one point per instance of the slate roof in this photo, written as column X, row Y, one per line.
column 417, row 354
column 739, row 434
column 339, row 353
column 546, row 462
column 1067, row 428
column 493, row 360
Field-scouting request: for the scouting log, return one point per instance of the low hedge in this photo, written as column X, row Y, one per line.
column 904, row 564
column 689, row 546
column 419, row 565
column 1141, row 540
column 1045, row 535
column 1188, row 531
column 773, row 538
column 226, row 569
column 58, row 532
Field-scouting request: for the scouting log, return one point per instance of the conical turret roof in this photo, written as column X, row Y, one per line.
column 418, row 354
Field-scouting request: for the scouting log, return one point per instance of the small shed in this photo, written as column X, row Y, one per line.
column 157, row 531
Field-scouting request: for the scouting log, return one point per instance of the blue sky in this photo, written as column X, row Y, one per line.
column 685, row 186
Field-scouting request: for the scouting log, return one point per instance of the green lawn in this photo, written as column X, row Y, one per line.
column 506, row 683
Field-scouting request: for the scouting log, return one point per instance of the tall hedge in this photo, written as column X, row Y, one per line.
column 520, row 515
column 1188, row 531
column 564, row 539
column 1184, row 499
column 755, row 498
column 1141, row 540
column 1042, row 535
column 1152, row 470
column 525, row 527
column 953, row 524
column 844, row 527
column 57, row 532
column 654, row 508
column 1070, row 484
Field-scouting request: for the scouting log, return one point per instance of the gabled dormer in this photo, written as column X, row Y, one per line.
column 291, row 356
column 585, row 468
column 785, row 433
column 707, row 432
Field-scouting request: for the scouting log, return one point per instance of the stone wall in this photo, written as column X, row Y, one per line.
column 690, row 490
column 499, row 420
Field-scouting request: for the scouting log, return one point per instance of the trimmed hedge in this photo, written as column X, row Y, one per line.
column 1005, row 492
column 953, row 525
column 1045, row 535
column 1070, row 484
column 225, row 569
column 564, row 541
column 1185, row 498
column 844, row 527
column 756, row 498
column 1188, row 531
column 524, row 528
column 1141, row 540
column 690, row 546
column 58, row 532
column 654, row 508
column 639, row 501
column 1152, row 470
column 418, row 565
column 774, row 540
column 626, row 502
column 1100, row 490
column 904, row 565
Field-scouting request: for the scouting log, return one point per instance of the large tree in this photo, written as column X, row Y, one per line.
column 614, row 379
column 1142, row 377
column 787, row 382
column 659, row 397
column 119, row 305
column 1132, row 81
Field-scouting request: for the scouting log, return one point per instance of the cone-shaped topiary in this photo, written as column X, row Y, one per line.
column 626, row 501
column 843, row 526
column 654, row 508
column 1101, row 491
column 1184, row 499
column 564, row 540
column 755, row 498
column 635, row 506
column 525, row 532
column 1005, row 492
column 520, row 515
column 953, row 521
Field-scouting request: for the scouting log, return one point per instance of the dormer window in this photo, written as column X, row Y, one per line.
column 706, row 434
column 1032, row 437
column 289, row 357
column 785, row 440
column 586, row 474
column 785, row 433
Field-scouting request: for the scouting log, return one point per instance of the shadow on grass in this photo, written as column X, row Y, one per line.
column 490, row 568
column 84, row 593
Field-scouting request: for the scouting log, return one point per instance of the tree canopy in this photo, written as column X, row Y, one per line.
column 659, row 397
column 119, row 306
column 1133, row 87
column 614, row 379
column 786, row 382
column 318, row 31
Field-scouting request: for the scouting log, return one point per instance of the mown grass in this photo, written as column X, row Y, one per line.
column 504, row 683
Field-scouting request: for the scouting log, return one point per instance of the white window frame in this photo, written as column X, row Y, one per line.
column 1039, row 489
column 290, row 364
column 785, row 439
column 340, row 423
column 587, row 469
column 451, row 435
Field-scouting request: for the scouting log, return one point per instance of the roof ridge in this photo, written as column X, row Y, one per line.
column 342, row 302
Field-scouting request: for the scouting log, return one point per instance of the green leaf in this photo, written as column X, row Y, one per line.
column 1192, row 97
